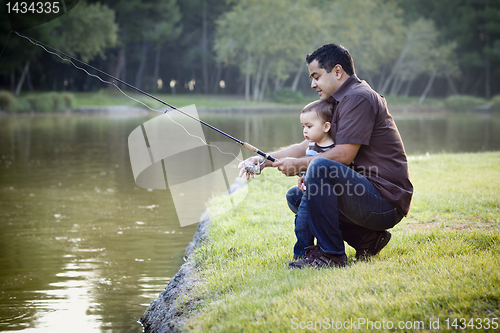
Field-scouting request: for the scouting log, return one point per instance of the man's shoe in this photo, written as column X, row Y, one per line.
column 318, row 259
column 373, row 245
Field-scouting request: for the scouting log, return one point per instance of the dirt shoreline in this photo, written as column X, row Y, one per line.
column 164, row 313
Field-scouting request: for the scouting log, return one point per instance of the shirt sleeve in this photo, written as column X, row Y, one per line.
column 356, row 121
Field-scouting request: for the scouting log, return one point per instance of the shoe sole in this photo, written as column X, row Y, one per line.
column 382, row 241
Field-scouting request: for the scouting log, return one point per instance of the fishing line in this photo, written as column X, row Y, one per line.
column 249, row 167
column 126, row 95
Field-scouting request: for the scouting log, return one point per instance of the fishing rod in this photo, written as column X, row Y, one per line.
column 248, row 166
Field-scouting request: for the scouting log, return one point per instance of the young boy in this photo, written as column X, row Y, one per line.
column 316, row 120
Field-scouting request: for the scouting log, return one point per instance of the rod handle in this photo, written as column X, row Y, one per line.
column 257, row 151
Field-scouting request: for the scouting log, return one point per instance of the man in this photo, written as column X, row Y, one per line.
column 359, row 188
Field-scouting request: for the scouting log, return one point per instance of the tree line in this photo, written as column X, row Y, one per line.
column 257, row 48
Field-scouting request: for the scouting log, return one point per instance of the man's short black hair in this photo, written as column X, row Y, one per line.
column 330, row 55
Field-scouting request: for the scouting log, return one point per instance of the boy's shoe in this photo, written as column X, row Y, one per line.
column 318, row 259
column 373, row 245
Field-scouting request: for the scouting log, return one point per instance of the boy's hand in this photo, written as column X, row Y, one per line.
column 301, row 183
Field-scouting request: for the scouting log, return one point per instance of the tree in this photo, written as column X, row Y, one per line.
column 84, row 32
column 475, row 28
column 372, row 31
column 264, row 42
column 143, row 24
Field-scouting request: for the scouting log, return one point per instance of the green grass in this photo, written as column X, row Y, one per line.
column 442, row 262
column 111, row 97
column 106, row 98
column 288, row 99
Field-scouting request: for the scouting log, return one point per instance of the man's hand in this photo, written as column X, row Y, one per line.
column 252, row 160
column 289, row 166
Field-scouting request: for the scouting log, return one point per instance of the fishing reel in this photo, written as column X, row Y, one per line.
column 253, row 168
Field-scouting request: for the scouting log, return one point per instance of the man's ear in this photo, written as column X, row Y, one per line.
column 327, row 126
column 338, row 70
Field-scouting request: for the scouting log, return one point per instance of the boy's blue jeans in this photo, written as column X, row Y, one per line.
column 338, row 205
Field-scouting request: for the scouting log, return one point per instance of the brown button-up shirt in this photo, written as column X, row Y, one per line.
column 361, row 117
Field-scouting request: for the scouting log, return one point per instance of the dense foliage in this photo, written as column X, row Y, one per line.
column 257, row 47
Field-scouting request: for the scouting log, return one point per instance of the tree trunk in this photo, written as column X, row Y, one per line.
column 28, row 81
column 487, row 87
column 297, row 78
column 408, row 87
column 120, row 64
column 475, row 89
column 204, row 48
column 395, row 84
column 140, row 72
column 451, row 85
column 263, row 86
column 256, row 84
column 398, row 87
column 247, row 78
column 278, row 84
column 156, row 74
column 395, row 68
column 21, row 79
column 427, row 88
column 217, row 78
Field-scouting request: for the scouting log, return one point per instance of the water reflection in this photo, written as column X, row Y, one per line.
column 420, row 133
column 83, row 249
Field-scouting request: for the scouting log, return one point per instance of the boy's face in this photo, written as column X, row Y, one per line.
column 323, row 82
column 314, row 129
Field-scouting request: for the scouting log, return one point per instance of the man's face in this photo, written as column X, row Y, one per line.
column 323, row 82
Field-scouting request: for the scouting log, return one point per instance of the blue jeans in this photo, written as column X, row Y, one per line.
column 338, row 204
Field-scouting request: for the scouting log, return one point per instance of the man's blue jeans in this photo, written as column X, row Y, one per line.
column 338, row 204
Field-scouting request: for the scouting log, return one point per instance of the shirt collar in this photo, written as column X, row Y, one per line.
column 344, row 88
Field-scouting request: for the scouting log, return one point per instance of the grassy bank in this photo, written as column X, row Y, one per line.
column 442, row 263
column 46, row 102
column 206, row 101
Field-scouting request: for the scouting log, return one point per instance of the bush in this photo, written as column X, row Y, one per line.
column 46, row 102
column 22, row 105
column 495, row 101
column 42, row 103
column 7, row 101
column 68, row 100
column 57, row 101
column 459, row 103
column 287, row 95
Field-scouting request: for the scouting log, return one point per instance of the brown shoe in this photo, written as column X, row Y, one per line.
column 318, row 259
column 373, row 245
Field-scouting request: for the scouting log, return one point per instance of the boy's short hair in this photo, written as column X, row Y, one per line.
column 323, row 108
column 330, row 55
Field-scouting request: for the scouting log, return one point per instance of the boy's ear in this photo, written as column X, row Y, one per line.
column 327, row 126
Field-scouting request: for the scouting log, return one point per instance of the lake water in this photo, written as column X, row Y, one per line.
column 83, row 249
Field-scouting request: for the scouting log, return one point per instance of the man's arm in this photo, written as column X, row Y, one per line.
column 297, row 150
column 344, row 153
column 294, row 151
